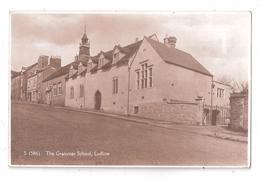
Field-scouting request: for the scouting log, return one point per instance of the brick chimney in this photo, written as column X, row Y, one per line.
column 55, row 61
column 42, row 62
column 170, row 41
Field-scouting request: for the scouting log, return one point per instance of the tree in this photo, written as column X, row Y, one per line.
column 236, row 86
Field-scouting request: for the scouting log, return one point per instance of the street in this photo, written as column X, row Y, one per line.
column 42, row 135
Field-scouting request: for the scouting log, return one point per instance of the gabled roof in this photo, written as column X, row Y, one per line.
column 30, row 67
column 178, row 57
column 108, row 54
column 121, row 49
column 94, row 59
column 14, row 74
column 131, row 48
column 60, row 72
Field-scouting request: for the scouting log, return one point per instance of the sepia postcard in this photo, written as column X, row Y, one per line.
column 161, row 89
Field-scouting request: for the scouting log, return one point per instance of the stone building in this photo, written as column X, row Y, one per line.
column 220, row 108
column 44, row 67
column 75, row 81
column 147, row 78
column 54, row 87
column 25, row 73
column 15, row 85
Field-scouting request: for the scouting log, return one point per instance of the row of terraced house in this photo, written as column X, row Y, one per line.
column 146, row 78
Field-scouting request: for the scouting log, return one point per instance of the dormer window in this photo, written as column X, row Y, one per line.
column 89, row 66
column 80, row 67
column 116, row 57
column 71, row 71
column 101, row 62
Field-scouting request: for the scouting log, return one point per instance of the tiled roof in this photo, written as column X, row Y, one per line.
column 108, row 55
column 60, row 72
column 178, row 57
column 74, row 75
column 131, row 48
column 30, row 67
column 15, row 74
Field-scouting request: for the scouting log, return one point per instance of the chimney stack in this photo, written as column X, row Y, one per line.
column 55, row 61
column 170, row 41
column 42, row 62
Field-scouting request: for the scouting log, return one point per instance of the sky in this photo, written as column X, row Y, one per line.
column 219, row 41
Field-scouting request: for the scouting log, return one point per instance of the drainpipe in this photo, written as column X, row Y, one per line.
column 211, row 100
column 84, row 90
column 128, row 88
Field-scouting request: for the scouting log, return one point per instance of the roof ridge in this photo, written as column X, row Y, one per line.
column 177, row 57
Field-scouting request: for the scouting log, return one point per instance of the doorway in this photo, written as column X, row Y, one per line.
column 214, row 117
column 97, row 100
column 30, row 97
column 205, row 117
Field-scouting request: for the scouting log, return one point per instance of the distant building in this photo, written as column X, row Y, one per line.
column 220, row 105
column 15, row 85
column 30, row 78
column 54, row 87
column 25, row 72
column 44, row 70
column 32, row 88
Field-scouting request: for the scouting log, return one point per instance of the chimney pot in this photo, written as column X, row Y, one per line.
column 170, row 41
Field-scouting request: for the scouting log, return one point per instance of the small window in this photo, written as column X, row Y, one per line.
column 137, row 80
column 59, row 88
column 115, row 85
column 71, row 92
column 101, row 62
column 89, row 66
column 220, row 92
column 144, row 75
column 81, row 90
column 116, row 57
column 150, row 77
column 55, row 89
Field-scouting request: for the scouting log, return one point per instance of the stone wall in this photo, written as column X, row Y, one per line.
column 183, row 113
column 239, row 111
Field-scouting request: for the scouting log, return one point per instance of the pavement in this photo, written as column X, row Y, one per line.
column 220, row 131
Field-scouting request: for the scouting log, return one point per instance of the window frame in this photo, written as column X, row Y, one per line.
column 54, row 89
column 60, row 88
column 144, row 75
column 115, row 85
column 150, row 77
column 71, row 92
column 138, row 79
column 81, row 90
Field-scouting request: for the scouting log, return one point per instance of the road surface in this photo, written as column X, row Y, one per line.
column 42, row 135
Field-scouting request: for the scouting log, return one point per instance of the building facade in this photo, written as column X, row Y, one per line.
column 147, row 78
column 25, row 73
column 75, row 85
column 54, row 87
column 15, row 85
column 44, row 68
column 32, row 88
